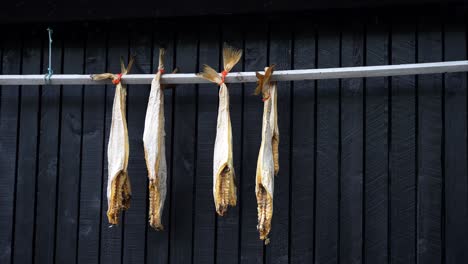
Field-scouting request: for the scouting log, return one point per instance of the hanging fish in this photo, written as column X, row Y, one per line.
column 267, row 163
column 118, row 183
column 224, row 186
column 155, row 148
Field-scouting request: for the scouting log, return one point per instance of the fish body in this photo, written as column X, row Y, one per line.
column 118, row 183
column 119, row 191
column 155, row 152
column 224, row 188
column 267, row 163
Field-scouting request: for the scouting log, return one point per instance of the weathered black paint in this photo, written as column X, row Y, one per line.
column 372, row 170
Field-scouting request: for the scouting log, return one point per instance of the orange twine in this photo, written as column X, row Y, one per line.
column 117, row 80
column 223, row 76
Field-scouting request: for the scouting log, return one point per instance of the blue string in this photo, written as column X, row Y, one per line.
column 49, row 69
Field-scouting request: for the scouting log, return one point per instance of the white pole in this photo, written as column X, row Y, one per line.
column 243, row 77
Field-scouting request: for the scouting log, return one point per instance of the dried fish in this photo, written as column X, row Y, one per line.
column 155, row 149
column 267, row 163
column 224, row 187
column 118, row 183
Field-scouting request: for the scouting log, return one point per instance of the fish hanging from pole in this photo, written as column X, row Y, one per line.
column 268, row 158
column 155, row 148
column 224, row 186
column 118, row 183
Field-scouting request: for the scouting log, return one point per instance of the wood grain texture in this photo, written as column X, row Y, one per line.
column 376, row 148
column 429, row 146
column 352, row 152
column 93, row 151
column 328, row 141
column 184, row 137
column 455, row 162
column 27, row 154
column 47, row 176
column 9, row 116
column 69, row 161
column 303, row 149
column 403, row 148
column 207, row 106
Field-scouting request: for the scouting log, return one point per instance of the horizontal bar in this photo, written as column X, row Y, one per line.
column 244, row 77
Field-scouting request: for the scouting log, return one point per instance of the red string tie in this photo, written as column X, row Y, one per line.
column 223, row 76
column 117, row 80
column 161, row 71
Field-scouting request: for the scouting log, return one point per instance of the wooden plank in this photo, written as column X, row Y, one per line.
column 27, row 153
column 403, row 148
column 304, row 149
column 112, row 237
column 429, row 146
column 158, row 242
column 228, row 226
column 92, row 151
column 137, row 99
column 455, row 163
column 280, row 41
column 70, row 153
column 352, row 153
column 9, row 115
column 181, row 227
column 49, row 142
column 204, row 237
column 376, row 149
column 327, row 188
column 255, row 57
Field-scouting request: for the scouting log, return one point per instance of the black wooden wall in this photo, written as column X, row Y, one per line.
column 371, row 170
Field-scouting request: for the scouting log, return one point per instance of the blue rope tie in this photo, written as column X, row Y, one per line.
column 49, row 69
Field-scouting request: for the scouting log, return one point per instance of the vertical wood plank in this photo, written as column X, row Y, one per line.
column 136, row 217
column 184, row 150
column 49, row 143
column 429, row 146
column 111, row 237
column 281, row 55
column 93, row 150
column 27, row 153
column 352, row 124
column 70, row 151
column 403, row 148
column 376, row 149
column 228, row 226
column 205, row 213
column 456, row 181
column 9, row 115
column 303, row 155
column 158, row 241
column 255, row 53
column 327, row 191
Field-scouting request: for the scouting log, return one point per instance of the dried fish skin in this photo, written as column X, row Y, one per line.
column 224, row 188
column 155, row 153
column 268, row 157
column 119, row 190
column 118, row 187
